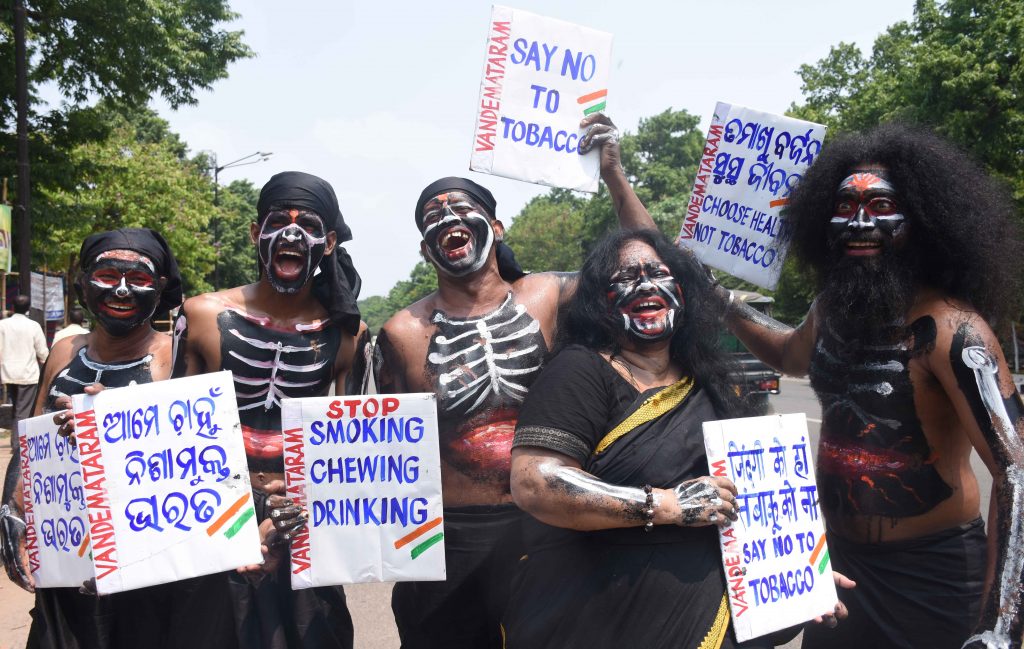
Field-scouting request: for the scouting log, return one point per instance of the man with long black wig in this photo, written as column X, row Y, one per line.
column 917, row 254
column 291, row 334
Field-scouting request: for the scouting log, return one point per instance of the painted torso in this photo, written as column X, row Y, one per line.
column 83, row 371
column 481, row 369
column 874, row 459
column 270, row 364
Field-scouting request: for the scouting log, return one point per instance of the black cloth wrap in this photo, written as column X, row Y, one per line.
column 337, row 286
column 145, row 242
column 508, row 267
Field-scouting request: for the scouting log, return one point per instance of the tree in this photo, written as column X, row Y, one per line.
column 229, row 227
column 134, row 178
column 546, row 233
column 956, row 66
column 122, row 50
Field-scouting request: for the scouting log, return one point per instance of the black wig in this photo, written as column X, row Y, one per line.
column 589, row 320
column 964, row 235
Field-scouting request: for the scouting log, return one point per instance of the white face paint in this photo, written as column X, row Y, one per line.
column 458, row 236
column 291, row 245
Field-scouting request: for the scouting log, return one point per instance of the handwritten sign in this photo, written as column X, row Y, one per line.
column 775, row 556
column 56, row 535
column 166, row 482
column 751, row 163
column 541, row 76
column 367, row 470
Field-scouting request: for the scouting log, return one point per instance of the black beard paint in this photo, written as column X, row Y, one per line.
column 121, row 294
column 648, row 299
column 291, row 245
column 459, row 242
column 864, row 298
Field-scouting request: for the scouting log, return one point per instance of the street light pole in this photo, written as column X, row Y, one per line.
column 21, row 220
column 261, row 156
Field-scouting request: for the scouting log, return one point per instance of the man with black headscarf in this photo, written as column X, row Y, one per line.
column 291, row 334
column 478, row 343
column 125, row 277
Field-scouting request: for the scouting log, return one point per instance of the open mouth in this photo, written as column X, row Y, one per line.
column 456, row 242
column 119, row 309
column 863, row 248
column 647, row 307
column 290, row 263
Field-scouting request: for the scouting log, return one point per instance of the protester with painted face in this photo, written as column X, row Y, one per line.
column 916, row 252
column 478, row 343
column 125, row 277
column 291, row 334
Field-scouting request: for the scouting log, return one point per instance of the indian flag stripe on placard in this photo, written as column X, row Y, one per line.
column 824, row 562
column 596, row 101
column 239, row 522
column 226, row 516
column 418, row 532
column 423, row 547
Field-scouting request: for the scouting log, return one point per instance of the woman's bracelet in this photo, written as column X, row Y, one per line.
column 649, row 508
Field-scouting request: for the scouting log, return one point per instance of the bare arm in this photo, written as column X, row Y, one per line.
column 186, row 359
column 970, row 366
column 556, row 490
column 786, row 349
column 388, row 368
column 357, row 379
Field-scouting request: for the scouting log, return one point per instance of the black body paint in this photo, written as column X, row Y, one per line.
column 873, row 458
column 268, row 365
column 1001, row 421
column 83, row 371
column 483, row 368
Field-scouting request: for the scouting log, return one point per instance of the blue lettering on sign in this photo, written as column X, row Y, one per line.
column 61, row 488
column 784, row 585
column 536, row 55
column 369, row 511
column 186, row 464
column 375, row 468
column 535, row 135
column 579, row 66
column 373, row 430
column 131, row 424
column 63, row 535
column 175, row 510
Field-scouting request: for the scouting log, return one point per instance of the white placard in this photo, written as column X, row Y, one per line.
column 368, row 471
column 166, row 482
column 751, row 163
column 48, row 295
column 56, row 534
column 541, row 76
column 775, row 556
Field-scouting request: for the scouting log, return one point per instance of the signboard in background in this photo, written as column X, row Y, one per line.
column 541, row 76
column 751, row 163
column 48, row 295
column 6, row 249
column 776, row 561
column 368, row 471
column 56, row 520
column 166, row 482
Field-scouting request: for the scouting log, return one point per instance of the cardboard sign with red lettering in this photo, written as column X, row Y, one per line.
column 775, row 556
column 751, row 163
column 541, row 76
column 56, row 521
column 368, row 471
column 166, row 482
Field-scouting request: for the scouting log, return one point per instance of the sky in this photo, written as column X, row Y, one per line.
column 379, row 98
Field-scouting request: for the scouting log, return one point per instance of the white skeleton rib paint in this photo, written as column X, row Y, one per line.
column 695, row 496
column 479, row 341
column 272, row 390
column 98, row 368
column 986, row 369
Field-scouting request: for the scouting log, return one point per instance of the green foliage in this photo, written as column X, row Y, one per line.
column 131, row 179
column 546, row 233
column 123, row 50
column 375, row 310
column 956, row 66
column 236, row 258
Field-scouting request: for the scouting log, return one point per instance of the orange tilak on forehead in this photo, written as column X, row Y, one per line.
column 861, row 182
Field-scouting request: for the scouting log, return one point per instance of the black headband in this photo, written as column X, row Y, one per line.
column 453, row 183
column 145, row 242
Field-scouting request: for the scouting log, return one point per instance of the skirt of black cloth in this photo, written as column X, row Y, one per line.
column 180, row 615
column 925, row 592
column 618, row 588
column 481, row 547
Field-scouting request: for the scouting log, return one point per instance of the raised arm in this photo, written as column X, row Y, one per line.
column 601, row 131
column 785, row 348
column 969, row 363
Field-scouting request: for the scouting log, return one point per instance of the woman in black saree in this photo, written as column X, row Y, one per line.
column 609, row 460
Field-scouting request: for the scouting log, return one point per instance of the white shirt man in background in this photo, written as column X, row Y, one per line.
column 22, row 351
